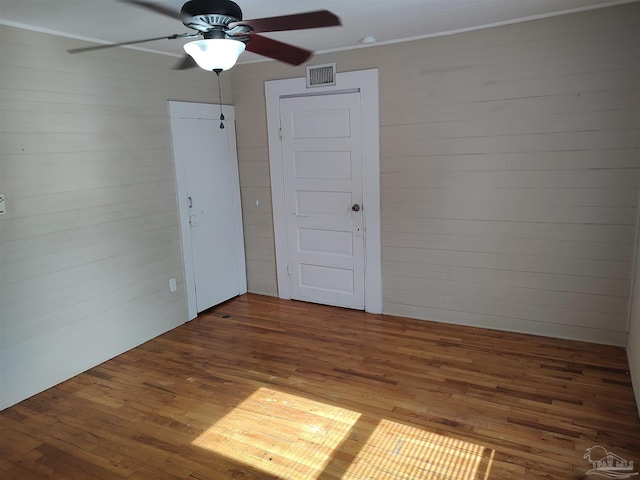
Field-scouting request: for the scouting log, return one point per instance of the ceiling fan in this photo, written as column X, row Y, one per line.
column 225, row 35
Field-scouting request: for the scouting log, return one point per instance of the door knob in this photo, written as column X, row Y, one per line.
column 355, row 207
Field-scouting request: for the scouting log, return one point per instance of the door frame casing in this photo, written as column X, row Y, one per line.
column 366, row 83
column 208, row 111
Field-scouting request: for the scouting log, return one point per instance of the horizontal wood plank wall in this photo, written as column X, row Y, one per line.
column 255, row 180
column 509, row 182
column 90, row 238
column 633, row 343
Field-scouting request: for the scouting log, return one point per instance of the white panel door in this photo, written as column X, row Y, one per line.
column 322, row 162
column 209, row 194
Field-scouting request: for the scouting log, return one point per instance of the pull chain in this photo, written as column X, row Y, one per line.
column 220, row 99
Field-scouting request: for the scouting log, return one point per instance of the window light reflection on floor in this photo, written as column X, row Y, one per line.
column 291, row 436
column 281, row 434
column 400, row 451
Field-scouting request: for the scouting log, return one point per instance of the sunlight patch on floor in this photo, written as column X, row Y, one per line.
column 280, row 434
column 395, row 450
column 293, row 437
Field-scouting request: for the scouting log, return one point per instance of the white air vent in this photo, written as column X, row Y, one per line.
column 321, row 75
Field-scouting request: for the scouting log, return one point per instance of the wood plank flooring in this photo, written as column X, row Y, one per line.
column 261, row 388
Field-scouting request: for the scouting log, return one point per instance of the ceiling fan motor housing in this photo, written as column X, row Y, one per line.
column 204, row 15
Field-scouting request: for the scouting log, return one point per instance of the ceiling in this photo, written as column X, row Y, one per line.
column 112, row 21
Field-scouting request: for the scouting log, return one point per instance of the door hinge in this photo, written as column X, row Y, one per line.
column 280, row 133
column 288, row 271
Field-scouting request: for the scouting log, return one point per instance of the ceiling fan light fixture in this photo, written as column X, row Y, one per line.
column 215, row 53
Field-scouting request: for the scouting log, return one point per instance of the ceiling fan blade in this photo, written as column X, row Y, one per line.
column 132, row 42
column 298, row 21
column 155, row 8
column 185, row 63
column 277, row 50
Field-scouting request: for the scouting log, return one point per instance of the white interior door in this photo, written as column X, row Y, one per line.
column 364, row 82
column 209, row 201
column 322, row 163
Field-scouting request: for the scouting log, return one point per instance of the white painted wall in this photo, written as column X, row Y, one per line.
column 509, row 184
column 633, row 345
column 91, row 236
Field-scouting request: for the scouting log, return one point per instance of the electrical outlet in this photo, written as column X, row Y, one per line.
column 172, row 285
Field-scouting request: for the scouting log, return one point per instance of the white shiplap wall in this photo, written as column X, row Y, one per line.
column 510, row 177
column 509, row 180
column 90, row 238
column 633, row 345
column 255, row 182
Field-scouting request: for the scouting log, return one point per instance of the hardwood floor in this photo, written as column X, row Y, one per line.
column 260, row 388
